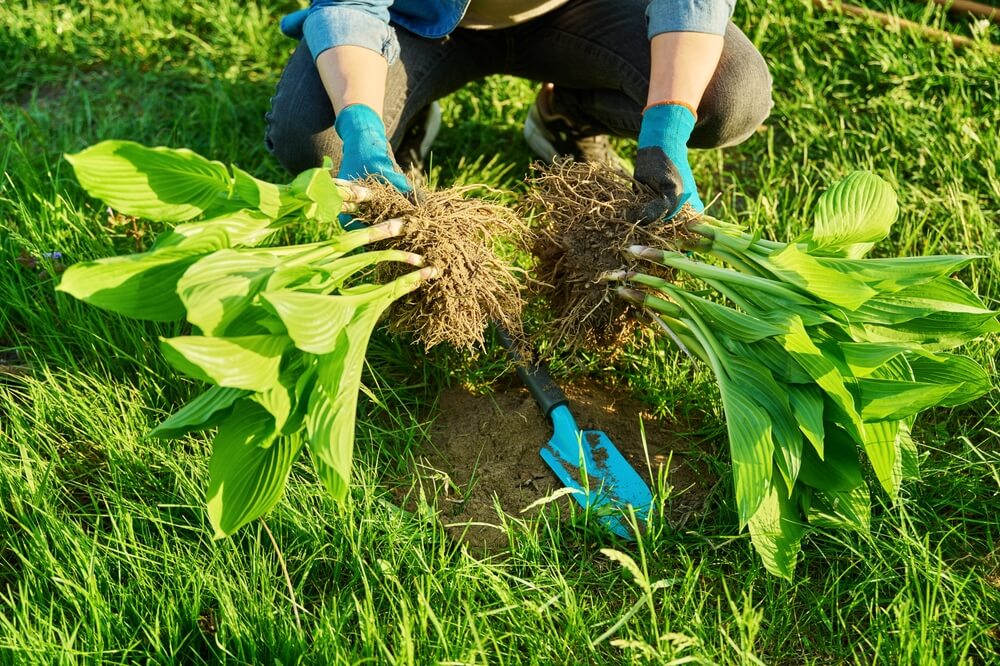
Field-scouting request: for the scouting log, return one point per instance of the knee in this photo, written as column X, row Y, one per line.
column 297, row 147
column 738, row 99
column 299, row 123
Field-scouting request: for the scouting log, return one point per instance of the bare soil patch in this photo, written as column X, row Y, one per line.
column 482, row 458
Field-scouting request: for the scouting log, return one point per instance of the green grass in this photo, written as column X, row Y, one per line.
column 105, row 554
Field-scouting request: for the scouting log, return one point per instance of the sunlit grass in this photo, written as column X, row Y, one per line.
column 105, row 553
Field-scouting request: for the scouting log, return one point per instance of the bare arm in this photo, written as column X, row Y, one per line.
column 682, row 64
column 353, row 75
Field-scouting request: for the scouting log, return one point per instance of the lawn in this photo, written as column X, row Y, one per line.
column 106, row 555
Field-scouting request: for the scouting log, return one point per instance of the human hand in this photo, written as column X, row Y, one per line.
column 662, row 163
column 366, row 148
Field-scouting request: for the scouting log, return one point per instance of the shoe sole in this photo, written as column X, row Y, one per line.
column 431, row 129
column 538, row 138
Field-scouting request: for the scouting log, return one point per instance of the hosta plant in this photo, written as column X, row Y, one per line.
column 823, row 356
column 279, row 332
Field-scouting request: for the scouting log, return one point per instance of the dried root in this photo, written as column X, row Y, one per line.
column 588, row 213
column 461, row 237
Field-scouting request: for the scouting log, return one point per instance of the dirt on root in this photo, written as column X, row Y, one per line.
column 589, row 216
column 482, row 458
column 461, row 237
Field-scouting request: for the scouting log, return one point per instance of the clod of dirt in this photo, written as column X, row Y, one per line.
column 482, row 455
column 461, row 237
column 589, row 214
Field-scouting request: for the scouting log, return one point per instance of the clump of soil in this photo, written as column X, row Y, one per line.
column 482, row 455
column 459, row 236
column 590, row 214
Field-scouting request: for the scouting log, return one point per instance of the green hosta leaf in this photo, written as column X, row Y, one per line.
column 864, row 358
column 853, row 214
column 333, row 402
column 760, row 385
column 930, row 335
column 735, row 324
column 942, row 304
column 202, row 413
column 331, row 439
column 317, row 185
column 891, row 275
column 824, row 372
column 839, row 470
column 278, row 401
column 248, row 469
column 751, row 447
column 970, row 379
column 220, row 287
column 270, row 199
column 804, row 271
column 315, row 321
column 882, row 446
column 931, row 380
column 776, row 532
column 807, row 405
column 166, row 184
column 242, row 228
column 140, row 286
column 844, row 509
column 890, row 399
column 772, row 355
column 249, row 362
column 908, row 454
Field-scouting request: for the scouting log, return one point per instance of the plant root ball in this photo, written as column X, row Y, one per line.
column 461, row 237
column 588, row 213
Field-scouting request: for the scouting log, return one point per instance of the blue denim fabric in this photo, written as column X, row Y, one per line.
column 329, row 23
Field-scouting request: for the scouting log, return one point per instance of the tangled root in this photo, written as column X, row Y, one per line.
column 588, row 213
column 461, row 237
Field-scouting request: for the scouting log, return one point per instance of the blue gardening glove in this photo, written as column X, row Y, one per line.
column 366, row 148
column 662, row 163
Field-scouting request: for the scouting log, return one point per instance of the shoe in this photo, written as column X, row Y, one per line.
column 550, row 135
column 419, row 137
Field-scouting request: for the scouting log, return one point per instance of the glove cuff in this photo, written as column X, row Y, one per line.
column 667, row 126
column 357, row 122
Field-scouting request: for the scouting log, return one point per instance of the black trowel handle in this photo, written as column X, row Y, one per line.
column 535, row 377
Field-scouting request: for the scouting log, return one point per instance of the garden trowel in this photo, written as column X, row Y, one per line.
column 584, row 460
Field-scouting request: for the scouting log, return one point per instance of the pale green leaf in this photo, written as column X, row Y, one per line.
column 895, row 274
column 864, row 358
column 248, row 469
column 807, row 405
column 315, row 321
column 166, row 184
column 248, row 362
column 839, row 470
column 142, row 285
column 804, row 271
column 242, row 228
column 908, row 454
column 882, row 446
column 776, row 532
column 760, row 385
column 824, row 372
column 841, row 509
column 267, row 198
column 202, row 413
column 218, row 288
column 853, row 214
column 750, row 445
column 317, row 185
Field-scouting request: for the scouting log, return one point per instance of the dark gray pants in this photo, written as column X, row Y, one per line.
column 595, row 51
